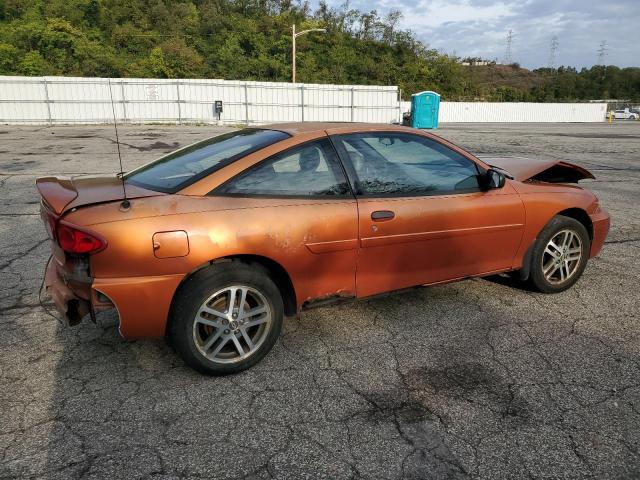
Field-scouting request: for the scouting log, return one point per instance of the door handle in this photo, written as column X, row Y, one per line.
column 382, row 215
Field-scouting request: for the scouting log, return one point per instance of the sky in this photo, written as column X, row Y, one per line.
column 479, row 28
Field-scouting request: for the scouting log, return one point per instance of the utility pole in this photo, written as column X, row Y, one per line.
column 552, row 52
column 602, row 53
column 507, row 53
column 295, row 35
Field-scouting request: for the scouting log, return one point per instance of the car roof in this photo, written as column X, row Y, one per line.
column 298, row 128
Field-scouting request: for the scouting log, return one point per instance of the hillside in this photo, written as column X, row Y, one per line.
column 484, row 78
column 512, row 83
column 250, row 40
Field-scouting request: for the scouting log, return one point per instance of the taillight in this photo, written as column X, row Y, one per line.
column 73, row 240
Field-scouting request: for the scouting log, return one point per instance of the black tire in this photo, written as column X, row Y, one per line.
column 559, row 223
column 200, row 287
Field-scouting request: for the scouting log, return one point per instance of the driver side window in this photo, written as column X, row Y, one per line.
column 309, row 170
column 402, row 164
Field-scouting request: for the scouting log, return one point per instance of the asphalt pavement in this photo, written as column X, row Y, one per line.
column 475, row 379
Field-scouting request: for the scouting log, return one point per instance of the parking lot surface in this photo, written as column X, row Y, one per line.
column 475, row 379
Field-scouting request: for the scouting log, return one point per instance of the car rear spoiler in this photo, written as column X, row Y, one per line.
column 57, row 192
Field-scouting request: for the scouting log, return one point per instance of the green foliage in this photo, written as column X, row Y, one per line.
column 251, row 40
column 509, row 94
column 8, row 55
column 33, row 64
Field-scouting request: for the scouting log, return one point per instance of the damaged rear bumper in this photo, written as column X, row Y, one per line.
column 72, row 305
column 72, row 298
column 142, row 303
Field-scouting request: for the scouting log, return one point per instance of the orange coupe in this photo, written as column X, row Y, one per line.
column 214, row 244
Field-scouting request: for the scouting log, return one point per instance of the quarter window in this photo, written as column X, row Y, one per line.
column 402, row 164
column 311, row 169
column 175, row 171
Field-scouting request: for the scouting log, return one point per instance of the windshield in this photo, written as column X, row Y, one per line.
column 183, row 167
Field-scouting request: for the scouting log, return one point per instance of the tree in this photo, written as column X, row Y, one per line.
column 251, row 40
column 8, row 58
column 34, row 64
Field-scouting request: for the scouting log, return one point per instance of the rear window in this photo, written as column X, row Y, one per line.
column 183, row 167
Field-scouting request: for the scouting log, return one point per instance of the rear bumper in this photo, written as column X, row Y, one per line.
column 71, row 304
column 601, row 223
column 142, row 303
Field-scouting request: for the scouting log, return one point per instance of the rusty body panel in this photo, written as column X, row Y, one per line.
column 328, row 247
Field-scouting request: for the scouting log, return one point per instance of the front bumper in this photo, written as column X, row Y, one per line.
column 601, row 222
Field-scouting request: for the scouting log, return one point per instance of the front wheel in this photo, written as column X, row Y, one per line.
column 226, row 318
column 560, row 255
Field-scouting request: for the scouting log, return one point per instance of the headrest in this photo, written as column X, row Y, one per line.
column 309, row 159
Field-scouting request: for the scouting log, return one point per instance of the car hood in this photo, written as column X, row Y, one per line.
column 64, row 193
column 553, row 171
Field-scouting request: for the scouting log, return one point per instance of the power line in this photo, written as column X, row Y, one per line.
column 552, row 52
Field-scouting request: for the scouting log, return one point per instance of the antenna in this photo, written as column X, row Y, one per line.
column 507, row 53
column 552, row 52
column 125, row 202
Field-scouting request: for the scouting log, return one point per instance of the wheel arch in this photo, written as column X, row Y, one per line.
column 581, row 216
column 272, row 268
column 576, row 213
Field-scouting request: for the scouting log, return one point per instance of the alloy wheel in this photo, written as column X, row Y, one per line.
column 561, row 257
column 232, row 324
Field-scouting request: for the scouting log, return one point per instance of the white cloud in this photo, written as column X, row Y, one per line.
column 479, row 28
column 427, row 14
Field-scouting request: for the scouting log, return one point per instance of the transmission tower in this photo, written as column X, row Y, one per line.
column 602, row 53
column 552, row 52
column 507, row 53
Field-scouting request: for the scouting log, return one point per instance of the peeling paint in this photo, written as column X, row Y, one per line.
column 342, row 294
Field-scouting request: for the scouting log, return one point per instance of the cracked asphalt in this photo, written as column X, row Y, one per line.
column 475, row 379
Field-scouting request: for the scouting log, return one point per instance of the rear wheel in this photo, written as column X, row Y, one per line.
column 560, row 255
column 226, row 318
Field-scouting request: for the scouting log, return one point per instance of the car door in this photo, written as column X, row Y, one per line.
column 423, row 217
column 296, row 208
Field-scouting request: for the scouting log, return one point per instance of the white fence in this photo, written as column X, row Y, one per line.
column 509, row 112
column 54, row 100
column 59, row 100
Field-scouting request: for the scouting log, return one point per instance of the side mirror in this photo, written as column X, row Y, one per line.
column 493, row 179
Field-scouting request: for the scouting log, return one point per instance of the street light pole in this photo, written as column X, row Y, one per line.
column 293, row 53
column 295, row 35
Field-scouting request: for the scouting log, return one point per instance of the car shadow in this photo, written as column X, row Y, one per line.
column 510, row 280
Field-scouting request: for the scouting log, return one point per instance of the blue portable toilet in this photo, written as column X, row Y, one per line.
column 425, row 107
